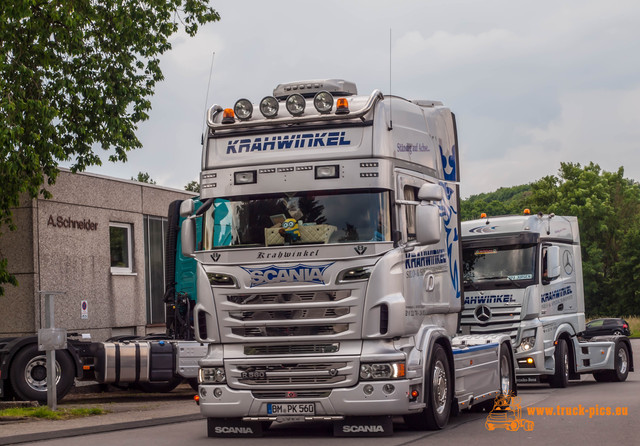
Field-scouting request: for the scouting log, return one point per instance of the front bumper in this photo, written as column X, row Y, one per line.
column 351, row 401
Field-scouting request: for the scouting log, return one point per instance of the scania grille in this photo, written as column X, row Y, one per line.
column 302, row 314
column 292, row 374
column 288, row 349
column 289, row 330
column 286, row 298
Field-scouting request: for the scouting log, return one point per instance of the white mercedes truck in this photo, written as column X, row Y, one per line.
column 329, row 280
column 523, row 277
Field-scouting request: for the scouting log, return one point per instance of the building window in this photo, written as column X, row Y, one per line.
column 121, row 247
column 155, row 232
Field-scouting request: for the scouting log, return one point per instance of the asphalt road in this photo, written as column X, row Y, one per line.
column 586, row 430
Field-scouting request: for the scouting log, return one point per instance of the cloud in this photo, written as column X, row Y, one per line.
column 600, row 125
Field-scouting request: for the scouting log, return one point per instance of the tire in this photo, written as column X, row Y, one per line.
column 438, row 390
column 621, row 361
column 560, row 379
column 28, row 374
column 602, row 377
column 506, row 371
column 160, row 386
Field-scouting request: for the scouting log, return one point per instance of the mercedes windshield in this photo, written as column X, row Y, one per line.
column 488, row 266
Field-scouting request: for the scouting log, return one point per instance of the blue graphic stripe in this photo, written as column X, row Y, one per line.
column 474, row 348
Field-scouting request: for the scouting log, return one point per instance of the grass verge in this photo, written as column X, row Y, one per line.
column 48, row 414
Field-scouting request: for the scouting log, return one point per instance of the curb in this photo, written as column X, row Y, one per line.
column 75, row 432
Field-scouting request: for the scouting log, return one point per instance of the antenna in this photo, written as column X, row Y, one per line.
column 390, row 98
column 206, row 100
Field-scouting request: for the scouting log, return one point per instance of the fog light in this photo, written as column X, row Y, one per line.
column 269, row 107
column 243, row 109
column 368, row 389
column 388, row 388
column 217, row 392
column 296, row 104
column 203, row 392
column 323, row 102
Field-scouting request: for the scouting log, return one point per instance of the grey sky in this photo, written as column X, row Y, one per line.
column 532, row 83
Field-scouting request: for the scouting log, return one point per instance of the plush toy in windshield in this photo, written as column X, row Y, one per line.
column 290, row 230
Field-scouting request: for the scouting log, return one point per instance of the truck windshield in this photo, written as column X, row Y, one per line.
column 515, row 263
column 298, row 218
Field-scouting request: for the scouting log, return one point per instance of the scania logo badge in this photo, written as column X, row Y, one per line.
column 482, row 313
column 360, row 249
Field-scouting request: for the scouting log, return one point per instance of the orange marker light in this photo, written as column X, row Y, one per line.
column 527, row 211
column 414, row 394
column 228, row 116
column 196, row 398
column 483, row 215
column 342, row 106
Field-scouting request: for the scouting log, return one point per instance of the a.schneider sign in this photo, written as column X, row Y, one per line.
column 68, row 222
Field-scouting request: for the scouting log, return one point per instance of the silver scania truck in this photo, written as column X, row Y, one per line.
column 329, row 266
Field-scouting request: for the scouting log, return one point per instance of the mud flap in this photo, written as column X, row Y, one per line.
column 363, row 427
column 233, row 427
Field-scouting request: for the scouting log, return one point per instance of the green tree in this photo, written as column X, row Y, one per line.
column 77, row 75
column 193, row 186
column 608, row 209
column 504, row 201
column 144, row 177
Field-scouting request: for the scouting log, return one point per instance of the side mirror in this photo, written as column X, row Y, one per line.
column 553, row 262
column 187, row 208
column 427, row 223
column 188, row 237
column 430, row 192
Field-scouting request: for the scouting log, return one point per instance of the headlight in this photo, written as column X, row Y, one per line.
column 211, row 375
column 296, row 104
column 359, row 273
column 243, row 109
column 269, row 107
column 528, row 339
column 385, row 370
column 323, row 102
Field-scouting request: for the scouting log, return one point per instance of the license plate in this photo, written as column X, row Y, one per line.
column 291, row 409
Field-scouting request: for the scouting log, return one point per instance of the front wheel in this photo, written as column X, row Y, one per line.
column 28, row 374
column 438, row 390
column 560, row 378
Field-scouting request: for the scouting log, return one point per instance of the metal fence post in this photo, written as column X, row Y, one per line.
column 50, row 339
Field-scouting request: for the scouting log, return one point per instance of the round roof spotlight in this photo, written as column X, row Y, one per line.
column 269, row 107
column 323, row 102
column 296, row 104
column 243, row 109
